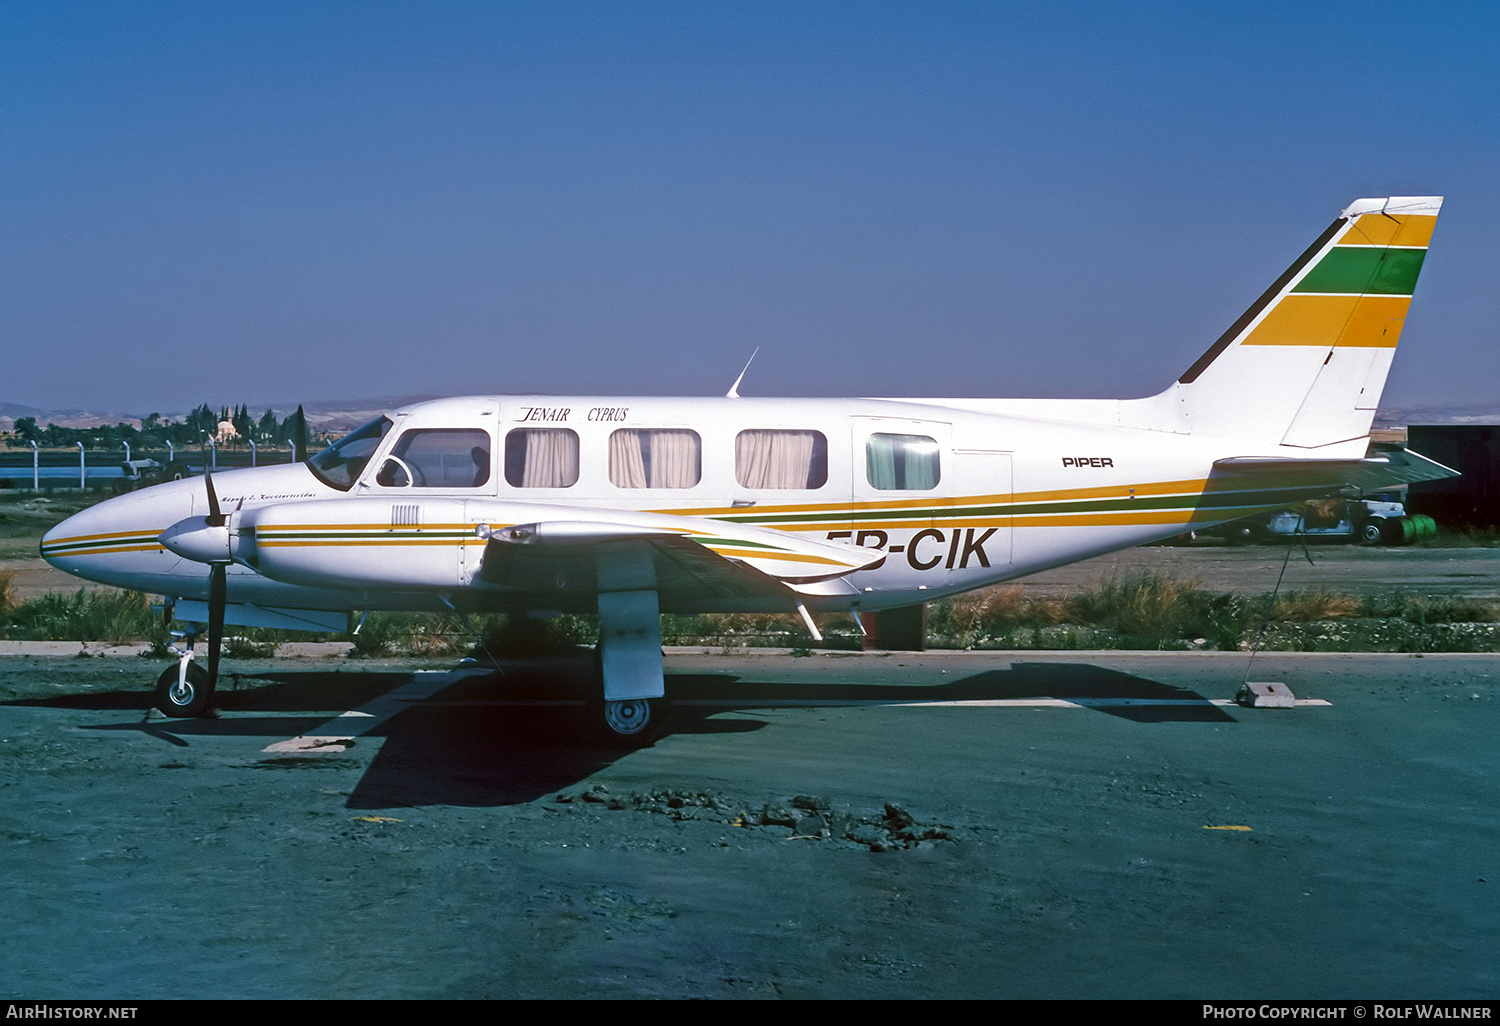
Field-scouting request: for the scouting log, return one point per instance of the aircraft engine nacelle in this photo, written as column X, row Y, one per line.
column 364, row 544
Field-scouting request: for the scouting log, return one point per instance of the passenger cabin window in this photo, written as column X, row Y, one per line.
column 340, row 465
column 428, row 458
column 653, row 458
column 781, row 459
column 541, row 458
column 902, row 462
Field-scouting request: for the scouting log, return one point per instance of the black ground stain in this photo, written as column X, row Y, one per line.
column 801, row 817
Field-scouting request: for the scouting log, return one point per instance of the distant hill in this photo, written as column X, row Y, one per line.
column 1453, row 413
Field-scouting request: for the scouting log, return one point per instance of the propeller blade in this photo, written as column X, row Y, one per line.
column 215, row 517
column 218, row 580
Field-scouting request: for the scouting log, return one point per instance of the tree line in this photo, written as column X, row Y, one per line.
column 156, row 431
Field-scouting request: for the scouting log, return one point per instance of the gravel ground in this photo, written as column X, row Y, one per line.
column 945, row 825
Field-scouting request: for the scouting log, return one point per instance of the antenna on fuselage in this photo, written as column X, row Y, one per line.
column 734, row 389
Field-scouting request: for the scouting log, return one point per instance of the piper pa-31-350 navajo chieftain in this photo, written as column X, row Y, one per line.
column 630, row 507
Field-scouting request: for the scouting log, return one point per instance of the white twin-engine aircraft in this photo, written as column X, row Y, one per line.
column 630, row 507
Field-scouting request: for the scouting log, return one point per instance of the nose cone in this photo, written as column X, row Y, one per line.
column 115, row 542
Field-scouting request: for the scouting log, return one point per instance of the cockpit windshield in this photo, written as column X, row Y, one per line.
column 341, row 463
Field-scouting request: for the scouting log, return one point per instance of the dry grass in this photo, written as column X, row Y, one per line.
column 1322, row 604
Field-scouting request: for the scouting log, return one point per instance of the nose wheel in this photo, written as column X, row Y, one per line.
column 184, row 691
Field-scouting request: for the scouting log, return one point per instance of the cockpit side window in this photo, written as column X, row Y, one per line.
column 340, row 465
column 437, row 458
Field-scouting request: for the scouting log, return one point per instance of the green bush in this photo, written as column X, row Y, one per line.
column 116, row 617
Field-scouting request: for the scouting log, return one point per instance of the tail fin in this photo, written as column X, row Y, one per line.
column 1305, row 365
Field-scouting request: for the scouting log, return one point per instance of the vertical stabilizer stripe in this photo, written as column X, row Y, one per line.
column 1391, row 230
column 1351, row 270
column 1226, row 339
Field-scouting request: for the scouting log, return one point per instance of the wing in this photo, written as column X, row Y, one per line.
column 547, row 556
column 686, row 563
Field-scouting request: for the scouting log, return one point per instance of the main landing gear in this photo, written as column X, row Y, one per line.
column 632, row 709
column 630, row 722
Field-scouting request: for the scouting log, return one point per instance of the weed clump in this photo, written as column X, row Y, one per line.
column 116, row 617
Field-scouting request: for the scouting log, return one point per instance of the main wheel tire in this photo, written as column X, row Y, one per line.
column 1242, row 534
column 188, row 699
column 630, row 722
column 1373, row 533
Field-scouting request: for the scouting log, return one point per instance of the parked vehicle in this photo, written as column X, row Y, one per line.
column 1372, row 521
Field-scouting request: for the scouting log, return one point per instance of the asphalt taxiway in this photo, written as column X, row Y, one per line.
column 981, row 824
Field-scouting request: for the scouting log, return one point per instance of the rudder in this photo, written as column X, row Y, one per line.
column 1305, row 366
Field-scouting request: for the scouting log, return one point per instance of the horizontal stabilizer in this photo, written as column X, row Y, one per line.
column 1371, row 474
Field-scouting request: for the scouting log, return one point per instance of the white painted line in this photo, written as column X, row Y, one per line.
column 331, row 736
column 334, row 737
column 306, row 743
column 981, row 703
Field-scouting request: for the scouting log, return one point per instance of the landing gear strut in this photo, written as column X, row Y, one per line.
column 633, row 704
column 186, row 689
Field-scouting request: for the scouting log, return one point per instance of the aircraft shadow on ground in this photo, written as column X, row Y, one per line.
column 469, row 745
column 523, row 731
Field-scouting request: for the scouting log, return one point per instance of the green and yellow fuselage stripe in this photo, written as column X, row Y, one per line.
column 97, row 544
column 1146, row 503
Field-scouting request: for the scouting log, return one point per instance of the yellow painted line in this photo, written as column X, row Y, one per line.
column 1234, row 827
column 938, row 502
column 112, row 534
column 1101, row 519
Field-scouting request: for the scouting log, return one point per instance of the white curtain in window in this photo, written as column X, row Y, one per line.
column 627, row 468
column 675, row 460
column 551, row 458
column 777, row 459
column 645, row 458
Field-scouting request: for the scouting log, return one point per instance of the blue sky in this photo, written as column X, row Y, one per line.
column 283, row 202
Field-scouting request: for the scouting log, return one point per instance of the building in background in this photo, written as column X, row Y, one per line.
column 1470, row 501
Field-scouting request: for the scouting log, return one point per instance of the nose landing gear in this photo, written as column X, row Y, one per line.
column 186, row 689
